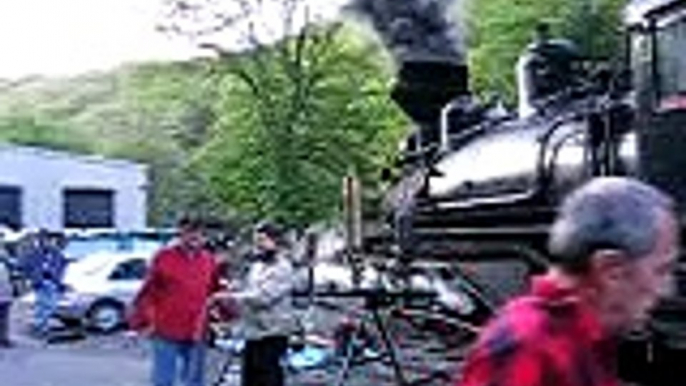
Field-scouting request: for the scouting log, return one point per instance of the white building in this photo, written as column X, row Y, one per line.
column 49, row 189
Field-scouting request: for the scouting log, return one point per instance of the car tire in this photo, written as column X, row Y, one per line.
column 105, row 316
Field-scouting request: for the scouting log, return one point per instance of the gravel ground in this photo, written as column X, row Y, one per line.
column 123, row 360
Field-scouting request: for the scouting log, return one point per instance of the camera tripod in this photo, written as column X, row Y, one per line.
column 358, row 342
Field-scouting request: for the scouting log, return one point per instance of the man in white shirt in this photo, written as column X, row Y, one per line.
column 267, row 318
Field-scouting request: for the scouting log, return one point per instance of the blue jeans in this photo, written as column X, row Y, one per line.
column 166, row 356
column 47, row 296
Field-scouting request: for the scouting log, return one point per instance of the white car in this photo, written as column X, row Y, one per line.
column 100, row 288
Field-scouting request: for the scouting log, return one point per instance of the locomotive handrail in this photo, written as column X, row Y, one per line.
column 555, row 151
column 543, row 140
column 480, row 201
column 463, row 135
column 444, row 125
column 446, row 139
column 598, row 104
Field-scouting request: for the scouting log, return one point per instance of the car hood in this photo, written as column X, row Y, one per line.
column 78, row 278
column 85, row 285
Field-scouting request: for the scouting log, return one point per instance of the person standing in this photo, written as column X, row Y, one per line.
column 264, row 302
column 172, row 306
column 613, row 248
column 6, row 297
column 45, row 268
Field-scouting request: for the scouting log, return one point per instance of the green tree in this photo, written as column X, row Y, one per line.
column 295, row 114
column 293, row 120
column 169, row 113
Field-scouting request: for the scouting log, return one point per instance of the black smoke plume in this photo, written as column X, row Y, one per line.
column 423, row 30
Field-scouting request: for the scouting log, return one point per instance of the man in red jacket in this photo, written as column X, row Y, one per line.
column 172, row 306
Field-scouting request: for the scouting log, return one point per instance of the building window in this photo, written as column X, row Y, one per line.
column 10, row 206
column 88, row 208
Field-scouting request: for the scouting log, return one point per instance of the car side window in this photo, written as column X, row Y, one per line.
column 133, row 269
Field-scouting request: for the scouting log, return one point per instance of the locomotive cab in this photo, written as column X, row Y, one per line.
column 657, row 57
column 657, row 35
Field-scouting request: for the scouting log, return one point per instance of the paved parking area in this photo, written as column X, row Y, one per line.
column 53, row 366
column 100, row 361
column 123, row 360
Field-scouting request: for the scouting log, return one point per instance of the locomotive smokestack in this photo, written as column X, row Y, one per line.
column 428, row 46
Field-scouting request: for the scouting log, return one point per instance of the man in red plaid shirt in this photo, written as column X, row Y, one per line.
column 613, row 247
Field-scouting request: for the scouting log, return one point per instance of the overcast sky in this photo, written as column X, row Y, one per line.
column 67, row 37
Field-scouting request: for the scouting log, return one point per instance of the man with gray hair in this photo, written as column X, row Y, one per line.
column 613, row 247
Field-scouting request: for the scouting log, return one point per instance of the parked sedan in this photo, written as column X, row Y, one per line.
column 100, row 288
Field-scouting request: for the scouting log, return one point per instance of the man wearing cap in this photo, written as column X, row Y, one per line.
column 172, row 306
column 45, row 266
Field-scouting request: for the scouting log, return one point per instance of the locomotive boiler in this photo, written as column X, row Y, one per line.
column 473, row 169
column 478, row 182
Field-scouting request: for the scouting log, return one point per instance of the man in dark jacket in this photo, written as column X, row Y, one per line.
column 45, row 265
column 6, row 295
column 172, row 306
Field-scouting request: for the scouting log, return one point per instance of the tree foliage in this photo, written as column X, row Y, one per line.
column 302, row 104
column 294, row 118
column 28, row 131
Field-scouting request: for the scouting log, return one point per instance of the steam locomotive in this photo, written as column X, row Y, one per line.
column 477, row 182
